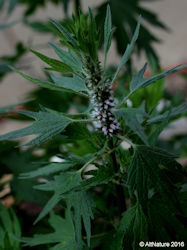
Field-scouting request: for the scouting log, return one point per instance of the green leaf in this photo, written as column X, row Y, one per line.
column 128, row 50
column 65, row 34
column 82, row 205
column 133, row 118
column 48, row 170
column 45, row 84
column 172, row 113
column 12, row 5
column 132, row 230
column 108, row 31
column 9, row 226
column 154, row 136
column 148, row 169
column 11, row 108
column 74, row 83
column 63, row 234
column 68, row 57
column 138, row 81
column 103, row 176
column 55, row 64
column 8, row 25
column 162, row 218
column 62, row 184
column 92, row 36
column 47, row 125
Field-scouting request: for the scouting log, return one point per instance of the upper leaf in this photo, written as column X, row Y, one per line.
column 69, row 38
column 74, row 83
column 128, row 50
column 58, row 85
column 108, row 31
column 172, row 113
column 55, row 64
column 68, row 57
column 138, row 81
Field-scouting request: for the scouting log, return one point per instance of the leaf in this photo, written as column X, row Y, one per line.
column 92, row 36
column 45, row 84
column 108, row 31
column 103, row 176
column 9, row 226
column 63, row 234
column 65, row 34
column 172, row 113
column 165, row 225
column 138, row 81
column 62, row 184
column 68, row 57
column 128, row 50
column 12, row 5
column 82, row 205
column 149, row 168
column 154, row 136
column 11, row 108
column 55, row 64
column 8, row 25
column 124, row 16
column 48, row 170
column 133, row 118
column 47, row 125
column 74, row 83
column 132, row 230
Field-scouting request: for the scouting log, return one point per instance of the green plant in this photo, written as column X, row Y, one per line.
column 101, row 195
column 124, row 15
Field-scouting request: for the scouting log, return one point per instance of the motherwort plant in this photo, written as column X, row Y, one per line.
column 124, row 195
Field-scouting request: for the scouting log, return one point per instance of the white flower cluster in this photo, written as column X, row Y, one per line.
column 102, row 98
column 103, row 102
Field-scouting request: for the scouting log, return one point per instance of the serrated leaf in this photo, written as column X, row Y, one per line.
column 61, row 185
column 133, row 118
column 128, row 50
column 45, row 84
column 138, row 81
column 103, row 176
column 172, row 113
column 55, row 64
column 132, row 230
column 74, row 83
column 82, row 205
column 63, row 234
column 47, row 125
column 146, row 172
column 68, row 57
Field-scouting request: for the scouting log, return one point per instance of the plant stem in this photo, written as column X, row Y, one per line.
column 119, row 189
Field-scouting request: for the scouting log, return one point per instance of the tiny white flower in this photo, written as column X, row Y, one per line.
column 113, row 126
